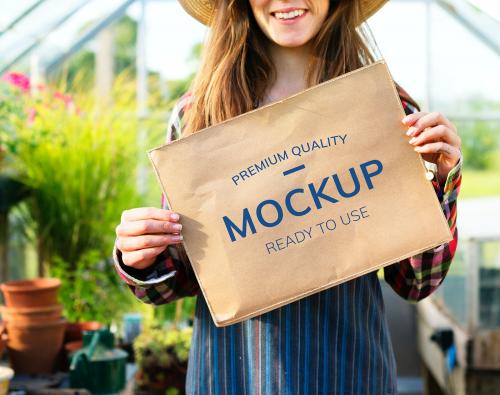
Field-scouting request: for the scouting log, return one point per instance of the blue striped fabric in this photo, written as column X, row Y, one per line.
column 333, row 342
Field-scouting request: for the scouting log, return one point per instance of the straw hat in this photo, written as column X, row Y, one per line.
column 202, row 9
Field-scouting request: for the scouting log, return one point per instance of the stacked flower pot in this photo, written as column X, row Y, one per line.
column 35, row 325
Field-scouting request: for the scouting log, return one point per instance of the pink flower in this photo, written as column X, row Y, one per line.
column 67, row 99
column 18, row 80
column 31, row 116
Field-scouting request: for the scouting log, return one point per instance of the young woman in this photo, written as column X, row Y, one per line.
column 333, row 342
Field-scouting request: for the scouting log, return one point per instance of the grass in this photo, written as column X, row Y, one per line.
column 480, row 183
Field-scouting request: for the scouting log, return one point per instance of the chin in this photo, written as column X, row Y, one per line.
column 291, row 42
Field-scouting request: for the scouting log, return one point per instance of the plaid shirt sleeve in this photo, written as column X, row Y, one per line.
column 170, row 277
column 416, row 277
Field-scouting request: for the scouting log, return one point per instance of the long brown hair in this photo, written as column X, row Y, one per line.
column 236, row 69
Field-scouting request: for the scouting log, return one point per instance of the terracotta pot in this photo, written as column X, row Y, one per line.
column 71, row 347
column 32, row 314
column 31, row 293
column 34, row 347
column 74, row 330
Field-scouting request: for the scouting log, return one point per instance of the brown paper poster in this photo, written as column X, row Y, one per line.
column 300, row 195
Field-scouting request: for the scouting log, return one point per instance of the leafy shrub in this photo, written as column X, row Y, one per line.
column 80, row 161
column 91, row 290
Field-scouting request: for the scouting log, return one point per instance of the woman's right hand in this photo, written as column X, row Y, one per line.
column 144, row 233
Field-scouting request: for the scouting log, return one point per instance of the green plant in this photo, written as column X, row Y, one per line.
column 80, row 162
column 161, row 355
column 91, row 290
column 478, row 144
column 13, row 93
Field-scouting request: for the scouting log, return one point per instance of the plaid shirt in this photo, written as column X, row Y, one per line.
column 335, row 341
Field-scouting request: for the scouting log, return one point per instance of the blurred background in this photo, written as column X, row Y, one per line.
column 86, row 89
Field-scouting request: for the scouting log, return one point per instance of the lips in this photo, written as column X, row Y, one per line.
column 289, row 15
column 288, row 9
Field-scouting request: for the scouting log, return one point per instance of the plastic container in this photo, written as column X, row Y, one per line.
column 99, row 366
column 132, row 327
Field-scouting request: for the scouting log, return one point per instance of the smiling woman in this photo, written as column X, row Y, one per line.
column 335, row 341
column 258, row 58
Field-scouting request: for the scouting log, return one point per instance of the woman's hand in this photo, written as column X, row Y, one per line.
column 144, row 233
column 436, row 138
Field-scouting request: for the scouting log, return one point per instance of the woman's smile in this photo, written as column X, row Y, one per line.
column 289, row 23
column 290, row 15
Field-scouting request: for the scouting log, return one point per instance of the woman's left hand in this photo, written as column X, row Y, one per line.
column 436, row 138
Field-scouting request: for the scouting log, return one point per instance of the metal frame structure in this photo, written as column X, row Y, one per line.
column 481, row 25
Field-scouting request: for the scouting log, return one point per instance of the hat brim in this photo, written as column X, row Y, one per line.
column 202, row 10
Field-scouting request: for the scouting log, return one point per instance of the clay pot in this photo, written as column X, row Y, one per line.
column 31, row 293
column 34, row 347
column 71, row 347
column 32, row 314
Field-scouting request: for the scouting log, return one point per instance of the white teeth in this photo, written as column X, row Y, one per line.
column 289, row 15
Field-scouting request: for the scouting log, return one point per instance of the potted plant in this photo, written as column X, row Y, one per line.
column 93, row 296
column 161, row 356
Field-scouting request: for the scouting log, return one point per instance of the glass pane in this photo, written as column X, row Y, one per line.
column 464, row 76
column 399, row 44
column 451, row 295
column 14, row 11
column 489, row 285
column 51, row 33
column 34, row 28
column 446, row 67
column 481, row 173
column 61, row 39
column 492, row 8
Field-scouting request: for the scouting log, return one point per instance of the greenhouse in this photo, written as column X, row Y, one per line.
column 89, row 88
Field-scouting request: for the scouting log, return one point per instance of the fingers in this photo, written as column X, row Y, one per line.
column 151, row 226
column 144, row 233
column 146, row 241
column 439, row 147
column 141, row 259
column 436, row 134
column 421, row 120
column 141, row 213
column 432, row 133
